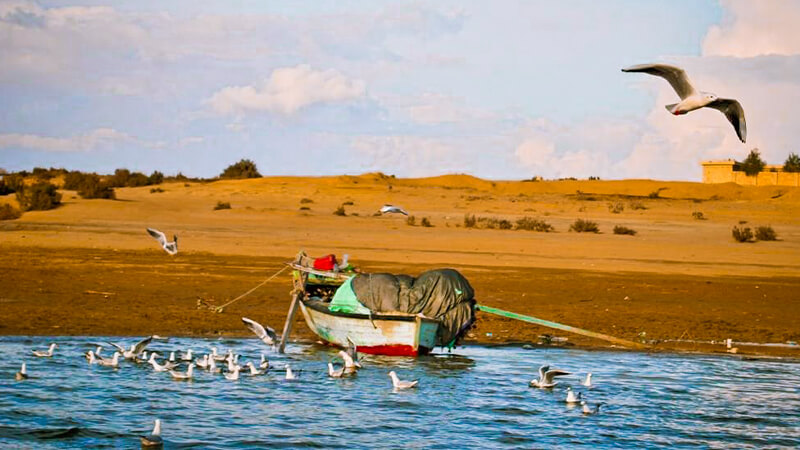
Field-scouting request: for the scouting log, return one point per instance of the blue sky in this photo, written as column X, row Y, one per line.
column 503, row 89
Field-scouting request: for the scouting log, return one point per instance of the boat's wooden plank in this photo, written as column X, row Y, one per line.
column 298, row 293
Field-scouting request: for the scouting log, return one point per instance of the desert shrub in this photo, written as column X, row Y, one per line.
column 425, row 222
column 616, row 208
column 493, row 222
column 222, row 205
column 584, row 226
column 340, row 211
column 242, row 169
column 8, row 212
column 635, row 205
column 305, row 208
column 411, row 221
column 73, row 180
column 42, row 173
column 156, row 190
column 470, row 221
column 753, row 164
column 742, row 234
column 306, row 200
column 155, row 178
column 137, row 179
column 348, row 203
column 38, row 197
column 742, row 222
column 120, row 178
column 619, row 229
column 766, row 234
column 792, row 163
column 698, row 215
column 531, row 224
column 594, row 178
column 11, row 183
column 656, row 193
column 92, row 187
column 4, row 188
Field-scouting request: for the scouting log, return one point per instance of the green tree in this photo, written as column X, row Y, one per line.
column 792, row 163
column 242, row 169
column 753, row 164
column 40, row 196
column 156, row 177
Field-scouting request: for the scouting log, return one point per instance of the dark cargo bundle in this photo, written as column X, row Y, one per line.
column 442, row 294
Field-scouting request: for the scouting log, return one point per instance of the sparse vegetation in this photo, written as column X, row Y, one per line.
column 766, row 233
column 340, row 211
column 657, row 193
column 742, row 234
column 157, row 190
column 90, row 186
column 222, row 205
column 245, row 168
column 8, row 212
column 493, row 222
column 698, row 215
column 305, row 200
column 619, row 229
column 411, row 221
column 348, row 203
column 792, row 163
column 584, row 226
column 636, row 205
column 753, row 164
column 531, row 224
column 38, row 197
column 425, row 222
column 616, row 208
column 305, row 208
column 470, row 221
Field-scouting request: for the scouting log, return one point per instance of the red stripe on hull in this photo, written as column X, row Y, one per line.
column 393, row 350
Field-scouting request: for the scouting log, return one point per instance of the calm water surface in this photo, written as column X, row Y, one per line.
column 475, row 397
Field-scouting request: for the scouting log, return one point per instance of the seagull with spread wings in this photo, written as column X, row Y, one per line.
column 266, row 334
column 692, row 99
column 169, row 247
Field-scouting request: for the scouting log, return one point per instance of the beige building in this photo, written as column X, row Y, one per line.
column 728, row 172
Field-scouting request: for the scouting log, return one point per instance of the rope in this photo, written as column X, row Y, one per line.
column 219, row 308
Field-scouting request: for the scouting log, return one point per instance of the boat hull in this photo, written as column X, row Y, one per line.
column 381, row 334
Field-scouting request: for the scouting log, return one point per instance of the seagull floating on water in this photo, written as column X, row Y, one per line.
column 266, row 334
column 187, row 356
column 253, row 371
column 45, row 354
column 352, row 350
column 588, row 381
column 202, row 362
column 337, row 373
column 22, row 374
column 169, row 247
column 546, row 377
column 183, row 376
column 113, row 362
column 154, row 438
column 572, row 398
column 397, row 383
column 233, row 375
column 290, row 375
column 159, row 367
column 391, row 209
column 589, row 411
column 264, row 364
column 96, row 352
column 692, row 99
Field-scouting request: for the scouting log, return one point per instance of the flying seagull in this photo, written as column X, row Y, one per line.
column 692, row 99
column 153, row 439
column 546, row 377
column 45, row 354
column 397, row 383
column 352, row 350
column 136, row 349
column 169, row 247
column 266, row 334
column 391, row 209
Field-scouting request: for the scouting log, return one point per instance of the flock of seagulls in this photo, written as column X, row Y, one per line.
column 547, row 380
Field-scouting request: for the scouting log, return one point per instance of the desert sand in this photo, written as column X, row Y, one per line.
column 89, row 268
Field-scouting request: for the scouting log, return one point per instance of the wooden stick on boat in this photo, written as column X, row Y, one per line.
column 558, row 326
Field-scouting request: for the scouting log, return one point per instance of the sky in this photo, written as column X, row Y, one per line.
column 501, row 89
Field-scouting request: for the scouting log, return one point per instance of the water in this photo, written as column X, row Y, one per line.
column 477, row 398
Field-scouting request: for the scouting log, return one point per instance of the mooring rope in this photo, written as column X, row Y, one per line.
column 219, row 308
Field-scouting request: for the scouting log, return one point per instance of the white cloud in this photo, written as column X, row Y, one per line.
column 96, row 139
column 288, row 90
column 432, row 108
column 409, row 155
column 753, row 28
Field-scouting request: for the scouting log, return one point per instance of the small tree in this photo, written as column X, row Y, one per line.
column 753, row 164
column 40, row 196
column 91, row 187
column 792, row 163
column 155, row 178
column 242, row 169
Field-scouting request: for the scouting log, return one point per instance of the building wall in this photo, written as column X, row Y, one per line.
column 722, row 172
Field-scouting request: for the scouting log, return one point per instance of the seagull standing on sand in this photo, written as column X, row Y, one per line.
column 45, row 354
column 588, row 381
column 572, row 398
column 266, row 334
column 692, row 99
column 22, row 374
column 169, row 247
column 546, row 377
column 399, row 384
column 391, row 209
column 154, row 438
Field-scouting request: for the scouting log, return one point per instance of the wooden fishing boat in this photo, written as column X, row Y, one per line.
column 394, row 334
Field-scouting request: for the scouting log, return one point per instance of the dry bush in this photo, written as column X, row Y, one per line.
column 584, row 226
column 619, row 229
column 38, row 197
column 742, row 234
column 470, row 221
column 766, row 234
column 305, row 200
column 426, row 223
column 222, row 205
column 411, row 221
column 245, row 168
column 340, row 211
column 616, row 208
column 8, row 212
column 305, row 208
column 635, row 205
column 531, row 224
column 90, row 186
column 698, row 215
column 156, row 190
column 493, row 222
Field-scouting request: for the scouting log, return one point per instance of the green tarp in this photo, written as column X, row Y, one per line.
column 344, row 300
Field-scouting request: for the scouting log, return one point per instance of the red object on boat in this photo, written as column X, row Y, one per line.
column 325, row 263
